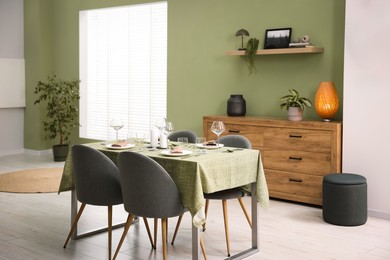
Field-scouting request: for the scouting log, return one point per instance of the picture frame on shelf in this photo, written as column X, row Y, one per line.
column 277, row 38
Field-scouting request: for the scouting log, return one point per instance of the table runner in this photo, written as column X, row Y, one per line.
column 194, row 175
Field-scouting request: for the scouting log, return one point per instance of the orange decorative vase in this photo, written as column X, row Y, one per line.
column 326, row 100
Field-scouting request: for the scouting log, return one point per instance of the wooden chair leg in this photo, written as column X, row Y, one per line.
column 129, row 220
column 177, row 228
column 225, row 218
column 74, row 224
column 109, row 231
column 245, row 211
column 164, row 237
column 206, row 209
column 203, row 248
column 155, row 232
column 148, row 230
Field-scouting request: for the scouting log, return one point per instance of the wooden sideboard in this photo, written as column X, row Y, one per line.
column 295, row 155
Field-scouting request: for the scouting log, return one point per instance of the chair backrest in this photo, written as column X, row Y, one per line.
column 238, row 141
column 183, row 133
column 96, row 177
column 148, row 190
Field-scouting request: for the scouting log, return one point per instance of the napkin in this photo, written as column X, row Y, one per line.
column 210, row 143
column 177, row 149
column 120, row 144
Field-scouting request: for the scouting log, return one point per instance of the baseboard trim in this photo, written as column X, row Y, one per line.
column 378, row 214
column 11, row 152
column 38, row 152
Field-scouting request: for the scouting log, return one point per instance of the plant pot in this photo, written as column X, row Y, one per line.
column 295, row 113
column 60, row 152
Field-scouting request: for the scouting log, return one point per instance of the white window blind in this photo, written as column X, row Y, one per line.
column 123, row 68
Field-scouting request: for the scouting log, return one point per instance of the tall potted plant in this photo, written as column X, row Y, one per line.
column 60, row 98
column 294, row 104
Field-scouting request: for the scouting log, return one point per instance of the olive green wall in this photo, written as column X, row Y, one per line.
column 200, row 76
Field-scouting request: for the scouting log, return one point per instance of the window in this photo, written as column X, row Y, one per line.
column 123, row 68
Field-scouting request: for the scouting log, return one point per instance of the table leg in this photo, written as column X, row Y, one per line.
column 73, row 213
column 255, row 248
column 255, row 241
column 195, row 243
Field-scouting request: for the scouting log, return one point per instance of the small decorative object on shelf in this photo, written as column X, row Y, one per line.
column 242, row 33
column 251, row 51
column 326, row 100
column 236, row 105
column 294, row 104
column 277, row 38
column 301, row 42
column 305, row 39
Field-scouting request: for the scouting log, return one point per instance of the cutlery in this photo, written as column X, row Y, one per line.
column 235, row 149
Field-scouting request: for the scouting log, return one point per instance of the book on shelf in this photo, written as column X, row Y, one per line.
column 299, row 44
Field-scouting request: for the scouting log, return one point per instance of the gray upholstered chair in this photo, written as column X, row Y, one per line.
column 148, row 191
column 183, row 133
column 237, row 141
column 97, row 183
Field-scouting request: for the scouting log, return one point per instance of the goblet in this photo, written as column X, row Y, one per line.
column 117, row 124
column 161, row 124
column 169, row 128
column 218, row 127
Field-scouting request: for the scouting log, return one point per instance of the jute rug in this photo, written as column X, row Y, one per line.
column 31, row 181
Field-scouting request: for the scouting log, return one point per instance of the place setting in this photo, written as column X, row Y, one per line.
column 178, row 148
column 121, row 142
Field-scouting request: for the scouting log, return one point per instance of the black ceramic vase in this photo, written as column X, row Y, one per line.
column 236, row 105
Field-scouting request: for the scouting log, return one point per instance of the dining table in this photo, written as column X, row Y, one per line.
column 194, row 173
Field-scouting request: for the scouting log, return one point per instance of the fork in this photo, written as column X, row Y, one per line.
column 235, row 149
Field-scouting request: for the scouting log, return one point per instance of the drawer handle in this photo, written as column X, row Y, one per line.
column 295, row 136
column 295, row 180
column 295, row 158
column 234, row 131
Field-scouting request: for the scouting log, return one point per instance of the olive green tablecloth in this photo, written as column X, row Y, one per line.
column 194, row 175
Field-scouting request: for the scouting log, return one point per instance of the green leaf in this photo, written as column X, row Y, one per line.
column 294, row 92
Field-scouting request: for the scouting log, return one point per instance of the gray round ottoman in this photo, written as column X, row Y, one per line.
column 344, row 199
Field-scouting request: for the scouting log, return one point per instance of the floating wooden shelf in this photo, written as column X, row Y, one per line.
column 280, row 51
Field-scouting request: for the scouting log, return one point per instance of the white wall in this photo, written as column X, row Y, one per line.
column 11, row 47
column 366, row 130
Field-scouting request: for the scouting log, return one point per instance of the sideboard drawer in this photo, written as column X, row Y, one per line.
column 253, row 133
column 298, row 139
column 294, row 184
column 297, row 161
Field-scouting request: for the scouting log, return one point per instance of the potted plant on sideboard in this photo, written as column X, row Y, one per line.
column 61, row 98
column 295, row 105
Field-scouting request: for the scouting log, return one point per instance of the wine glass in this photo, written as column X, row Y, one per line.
column 117, row 124
column 169, row 127
column 161, row 124
column 218, row 127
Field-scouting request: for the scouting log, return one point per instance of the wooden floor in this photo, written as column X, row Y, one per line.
column 34, row 226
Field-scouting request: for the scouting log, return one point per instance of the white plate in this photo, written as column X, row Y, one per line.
column 209, row 146
column 168, row 153
column 128, row 146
